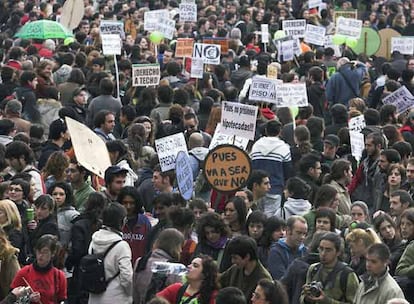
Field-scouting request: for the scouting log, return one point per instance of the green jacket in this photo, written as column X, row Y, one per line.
column 405, row 266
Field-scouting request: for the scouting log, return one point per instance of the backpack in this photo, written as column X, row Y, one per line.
column 92, row 271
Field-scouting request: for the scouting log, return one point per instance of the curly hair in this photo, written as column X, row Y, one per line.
column 67, row 188
column 211, row 219
column 56, row 165
column 210, row 279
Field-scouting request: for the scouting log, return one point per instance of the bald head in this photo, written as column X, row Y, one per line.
column 195, row 140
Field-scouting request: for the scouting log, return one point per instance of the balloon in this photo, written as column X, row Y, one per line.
column 156, row 37
column 295, row 111
column 68, row 40
column 338, row 39
column 351, row 42
column 279, row 34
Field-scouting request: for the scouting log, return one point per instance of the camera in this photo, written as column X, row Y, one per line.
column 315, row 289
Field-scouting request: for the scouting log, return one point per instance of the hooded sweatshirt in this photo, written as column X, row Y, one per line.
column 294, row 206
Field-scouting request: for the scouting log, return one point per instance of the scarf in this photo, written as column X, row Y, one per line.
column 219, row 244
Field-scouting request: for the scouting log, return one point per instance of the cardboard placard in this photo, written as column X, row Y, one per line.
column 184, row 47
column 227, row 168
column 90, row 149
column 404, row 45
column 315, row 34
column 349, row 27
column 263, row 89
column 238, row 119
column 188, row 12
column 223, row 42
column 352, row 14
column 112, row 27
column 222, row 139
column 151, row 18
column 111, row 44
column 356, row 124
column 402, row 99
column 209, row 53
column 294, row 28
column 144, row 75
column 291, row 94
column 184, row 174
column 168, row 148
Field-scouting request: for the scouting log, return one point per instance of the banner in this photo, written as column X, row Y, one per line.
column 404, row 45
column 111, row 44
column 222, row 139
column 238, row 119
column 168, row 148
column 184, row 174
column 184, row 47
column 291, row 94
column 294, row 28
column 209, row 53
column 263, row 89
column 188, row 12
column 402, row 99
column 315, row 34
column 349, row 27
column 151, row 18
column 144, row 75
column 356, row 124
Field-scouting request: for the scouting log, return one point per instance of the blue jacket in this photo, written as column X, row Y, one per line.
column 281, row 256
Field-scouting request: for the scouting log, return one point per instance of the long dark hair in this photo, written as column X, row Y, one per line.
column 274, row 291
column 241, row 210
column 210, row 280
column 70, row 199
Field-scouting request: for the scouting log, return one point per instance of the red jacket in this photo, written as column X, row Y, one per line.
column 137, row 236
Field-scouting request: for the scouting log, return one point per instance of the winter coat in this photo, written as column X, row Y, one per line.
column 65, row 216
column 317, row 98
column 293, row 207
column 30, row 110
column 118, row 259
column 9, row 268
column 344, row 199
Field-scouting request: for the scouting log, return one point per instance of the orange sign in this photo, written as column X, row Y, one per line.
column 184, row 47
column 223, row 42
column 227, row 168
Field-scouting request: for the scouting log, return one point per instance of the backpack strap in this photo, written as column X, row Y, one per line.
column 104, row 255
column 348, row 83
column 181, row 292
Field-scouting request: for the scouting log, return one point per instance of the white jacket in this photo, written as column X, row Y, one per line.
column 119, row 290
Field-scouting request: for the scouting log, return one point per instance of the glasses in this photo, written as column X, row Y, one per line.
column 12, row 189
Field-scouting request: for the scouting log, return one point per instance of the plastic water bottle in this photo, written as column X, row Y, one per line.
column 169, row 268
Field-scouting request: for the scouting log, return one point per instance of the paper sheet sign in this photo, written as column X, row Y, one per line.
column 166, row 26
column 197, row 68
column 349, row 27
column 168, row 148
column 402, row 99
column 291, row 94
column 221, row 139
column 151, row 18
column 238, row 119
column 356, row 124
column 315, row 34
column 111, row 44
column 404, row 45
column 90, row 149
column 188, row 12
column 263, row 89
column 209, row 53
column 144, row 75
column 112, row 27
column 295, row 28
column 265, row 33
column 357, row 144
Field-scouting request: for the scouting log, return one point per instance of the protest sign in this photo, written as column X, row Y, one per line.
column 349, row 27
column 352, row 14
column 221, row 139
column 315, row 34
column 222, row 42
column 144, row 75
column 356, row 124
column 227, row 168
column 402, row 99
column 112, row 27
column 291, row 94
column 197, row 68
column 188, row 12
column 184, row 174
column 294, row 28
column 265, row 33
column 90, row 149
column 329, row 43
column 111, row 44
column 168, row 148
column 184, row 47
column 287, row 50
column 404, row 45
column 166, row 26
column 209, row 53
column 263, row 89
column 151, row 18
column 314, row 3
column 238, row 119
column 72, row 14
column 357, row 144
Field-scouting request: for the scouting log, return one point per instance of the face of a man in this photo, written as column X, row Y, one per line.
column 396, row 207
column 316, row 171
column 329, row 151
column 383, row 163
column 297, row 235
column 262, row 188
column 375, row 266
column 159, row 182
column 167, row 57
column 371, row 148
column 73, row 174
column 410, row 173
column 117, row 184
column 109, row 124
column 327, row 253
column 190, row 125
column 239, row 261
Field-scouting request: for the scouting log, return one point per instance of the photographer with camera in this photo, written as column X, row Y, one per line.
column 330, row 281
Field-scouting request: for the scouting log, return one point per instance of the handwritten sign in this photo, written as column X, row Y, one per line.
column 209, row 53
column 352, row 14
column 144, row 75
column 112, row 27
column 221, row 139
column 184, row 47
column 197, row 68
column 168, row 148
column 349, row 27
column 184, row 174
column 227, row 168
column 356, row 124
column 265, row 32
column 402, row 99
column 166, row 26
column 239, row 119
column 151, row 18
column 294, row 28
column 287, row 50
column 357, row 144
column 111, row 44
column 315, row 34
column 404, row 45
column 314, row 3
column 291, row 94
column 263, row 89
column 188, row 12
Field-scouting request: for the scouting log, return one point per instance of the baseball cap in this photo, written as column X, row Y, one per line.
column 113, row 170
column 332, row 140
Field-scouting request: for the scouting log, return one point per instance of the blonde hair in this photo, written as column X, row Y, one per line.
column 6, row 248
column 12, row 214
column 368, row 236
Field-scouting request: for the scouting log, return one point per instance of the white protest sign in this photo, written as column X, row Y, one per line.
column 263, row 89
column 356, row 124
column 188, row 12
column 265, row 33
column 221, row 139
column 151, row 18
column 329, row 43
column 144, row 75
column 357, row 144
column 349, row 27
column 404, row 45
column 166, row 26
column 210, row 53
column 296, row 47
column 168, row 148
column 291, row 94
column 314, row 3
column 402, row 99
column 197, row 68
column 315, row 34
column 90, row 149
column 112, row 27
column 184, row 174
column 111, row 44
column 238, row 119
column 287, row 50
column 294, row 28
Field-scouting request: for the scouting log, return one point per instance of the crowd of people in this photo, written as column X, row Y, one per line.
column 312, row 224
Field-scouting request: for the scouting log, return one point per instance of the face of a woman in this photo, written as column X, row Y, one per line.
column 129, row 203
column 357, row 248
column 212, row 235
column 358, row 214
column 59, row 196
column 394, row 179
column 258, row 296
column 16, row 193
column 148, row 128
column 143, row 44
column 323, row 224
column 43, row 256
column 387, row 231
column 230, row 213
column 335, row 203
column 256, row 230
column 278, row 234
column 3, row 217
column 195, row 270
column 47, row 71
column 42, row 212
column 407, row 229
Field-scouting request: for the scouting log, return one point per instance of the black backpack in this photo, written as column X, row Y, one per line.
column 92, row 271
